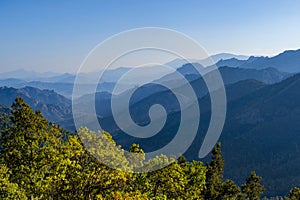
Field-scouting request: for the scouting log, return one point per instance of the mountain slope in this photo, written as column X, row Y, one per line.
column 53, row 106
column 261, row 131
column 229, row 74
column 288, row 61
column 207, row 61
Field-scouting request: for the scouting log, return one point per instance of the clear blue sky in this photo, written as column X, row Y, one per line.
column 56, row 35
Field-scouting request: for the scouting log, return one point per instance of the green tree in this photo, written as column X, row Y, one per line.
column 39, row 160
column 230, row 191
column 216, row 188
column 103, row 180
column 181, row 159
column 214, row 174
column 169, row 181
column 136, row 195
column 135, row 157
column 9, row 190
column 294, row 194
column 195, row 175
column 253, row 189
column 28, row 148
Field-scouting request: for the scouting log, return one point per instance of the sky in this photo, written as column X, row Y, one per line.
column 57, row 35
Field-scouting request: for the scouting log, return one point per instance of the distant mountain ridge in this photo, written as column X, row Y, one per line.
column 288, row 61
column 26, row 74
column 207, row 61
column 53, row 106
column 229, row 74
column 150, row 92
column 282, row 65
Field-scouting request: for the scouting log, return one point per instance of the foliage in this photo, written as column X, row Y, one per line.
column 39, row 160
column 9, row 190
column 294, row 194
column 214, row 174
column 29, row 148
column 252, row 188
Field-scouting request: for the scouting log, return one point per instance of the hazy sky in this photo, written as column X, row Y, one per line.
column 56, row 35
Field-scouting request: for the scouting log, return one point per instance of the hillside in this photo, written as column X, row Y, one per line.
column 150, row 92
column 287, row 61
column 261, row 131
column 53, row 106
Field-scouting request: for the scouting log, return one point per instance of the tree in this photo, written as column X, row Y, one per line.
column 39, row 160
column 230, row 191
column 136, row 195
column 252, row 188
column 195, row 175
column 181, row 159
column 294, row 194
column 28, row 148
column 169, row 181
column 135, row 157
column 9, row 190
column 214, row 174
column 99, row 178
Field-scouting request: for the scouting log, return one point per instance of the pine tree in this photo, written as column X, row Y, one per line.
column 214, row 174
column 294, row 194
column 195, row 175
column 181, row 159
column 230, row 191
column 253, row 189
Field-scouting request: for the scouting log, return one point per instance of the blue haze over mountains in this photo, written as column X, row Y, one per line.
column 63, row 83
column 261, row 131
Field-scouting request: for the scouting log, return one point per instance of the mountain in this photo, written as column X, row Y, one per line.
column 139, row 108
column 262, row 133
column 288, row 61
column 64, row 83
column 261, row 130
column 53, row 106
column 232, row 62
column 266, row 75
column 26, row 74
column 4, row 109
column 229, row 74
column 62, row 88
column 207, row 61
column 150, row 92
column 223, row 56
column 61, row 78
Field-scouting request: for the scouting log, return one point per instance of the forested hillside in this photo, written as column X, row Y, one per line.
column 39, row 161
column 261, row 130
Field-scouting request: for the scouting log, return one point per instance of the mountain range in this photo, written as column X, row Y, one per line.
column 53, row 106
column 261, row 130
column 206, row 61
column 287, row 61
